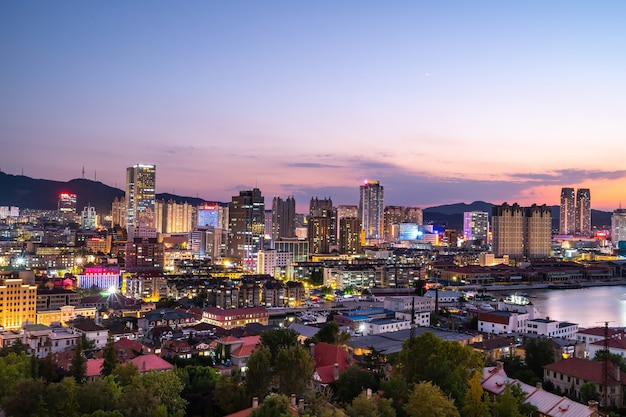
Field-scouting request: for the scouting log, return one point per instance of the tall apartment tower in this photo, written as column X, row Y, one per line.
column 537, row 231
column 371, row 211
column 508, row 230
column 618, row 227
column 349, row 235
column 140, row 195
column 393, row 216
column 283, row 218
column 476, row 226
column 583, row 212
column 343, row 211
column 322, row 224
column 246, row 219
column 567, row 212
column 521, row 232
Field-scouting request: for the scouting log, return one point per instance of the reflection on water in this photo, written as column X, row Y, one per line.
column 587, row 307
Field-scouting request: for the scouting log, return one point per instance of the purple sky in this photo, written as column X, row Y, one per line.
column 441, row 101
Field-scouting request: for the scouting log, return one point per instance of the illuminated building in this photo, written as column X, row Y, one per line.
column 298, row 248
column 349, row 235
column 618, row 228
column 118, row 212
column 567, row 212
column 144, row 252
column 371, row 211
column 104, row 277
column 67, row 206
column 394, row 215
column 89, row 218
column 247, row 226
column 283, row 218
column 172, row 217
column 521, row 232
column 583, row 212
column 235, row 317
column 476, row 226
column 209, row 215
column 269, row 260
column 6, row 212
column 343, row 211
column 149, row 285
column 18, row 300
column 140, row 195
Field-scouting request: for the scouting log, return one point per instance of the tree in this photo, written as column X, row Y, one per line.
column 364, row 405
column 294, row 369
column 148, row 391
column 13, row 368
column 275, row 339
column 259, row 373
column 78, row 366
column 88, row 344
column 397, row 390
column 124, row 374
column 62, row 398
column 506, row 405
column 110, row 357
column 48, row 369
column 374, row 361
column 539, row 352
column 352, row 382
column 614, row 358
column 589, row 391
column 274, row 406
column 101, row 394
column 449, row 365
column 31, row 390
column 199, row 387
column 428, row 400
column 475, row 404
column 329, row 333
column 230, row 396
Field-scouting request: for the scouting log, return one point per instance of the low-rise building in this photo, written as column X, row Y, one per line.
column 552, row 328
column 235, row 317
column 500, row 322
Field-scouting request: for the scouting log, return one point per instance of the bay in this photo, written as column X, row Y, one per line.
column 587, row 307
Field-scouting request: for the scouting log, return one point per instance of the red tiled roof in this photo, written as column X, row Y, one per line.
column 151, row 362
column 245, row 350
column 94, row 367
column 326, row 356
column 584, row 369
column 493, row 318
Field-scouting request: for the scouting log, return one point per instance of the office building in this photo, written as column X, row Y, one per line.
column 67, row 206
column 18, row 300
column 172, row 217
column 395, row 215
column 567, row 212
column 89, row 218
column 322, row 222
column 119, row 216
column 298, row 248
column 344, row 210
column 283, row 218
column 247, row 227
column 371, row 211
column 583, row 212
column 476, row 226
column 521, row 232
column 140, row 195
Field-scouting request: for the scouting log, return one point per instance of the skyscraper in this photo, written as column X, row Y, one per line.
column 67, row 206
column 567, row 212
column 283, row 217
column 140, row 195
column 476, row 226
column 618, row 227
column 371, row 210
column 322, row 223
column 537, row 231
column 349, row 235
column 583, row 212
column 246, row 219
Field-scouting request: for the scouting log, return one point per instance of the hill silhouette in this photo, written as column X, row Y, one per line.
column 26, row 192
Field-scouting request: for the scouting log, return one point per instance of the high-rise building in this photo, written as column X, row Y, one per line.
column 521, row 232
column 322, row 222
column 476, row 226
column 618, row 227
column 349, row 235
column 172, row 217
column 393, row 216
column 247, row 226
column 583, row 212
column 209, row 215
column 283, row 218
column 371, row 210
column 537, row 231
column 567, row 212
column 140, row 195
column 67, row 206
column 18, row 299
column 118, row 212
column 344, row 210
column 89, row 218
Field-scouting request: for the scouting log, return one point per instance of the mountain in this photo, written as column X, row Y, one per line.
column 26, row 192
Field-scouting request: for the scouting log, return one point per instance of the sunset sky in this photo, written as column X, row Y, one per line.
column 441, row 101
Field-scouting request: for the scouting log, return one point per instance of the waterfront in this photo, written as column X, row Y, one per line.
column 587, row 307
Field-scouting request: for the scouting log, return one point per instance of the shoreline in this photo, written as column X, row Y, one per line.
column 543, row 286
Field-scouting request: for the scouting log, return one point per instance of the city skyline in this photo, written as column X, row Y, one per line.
column 441, row 103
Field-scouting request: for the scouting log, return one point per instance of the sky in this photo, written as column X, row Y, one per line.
column 441, row 101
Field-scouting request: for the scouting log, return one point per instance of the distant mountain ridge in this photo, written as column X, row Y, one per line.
column 26, row 192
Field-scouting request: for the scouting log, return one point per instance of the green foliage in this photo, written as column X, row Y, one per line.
column 25, row 389
column 16, row 347
column 110, row 357
column 87, row 344
column 47, row 369
column 352, row 382
column 62, row 398
column 475, row 403
column 274, row 406
column 428, row 400
column 259, row 373
column 13, row 368
column 124, row 374
column 614, row 358
column 199, row 384
column 275, row 339
column 362, row 406
column 102, row 394
column 148, row 391
column 539, row 352
column 294, row 369
column 230, row 395
column 449, row 365
column 506, row 405
column 329, row 333
column 78, row 366
column 589, row 391
column 374, row 361
column 397, row 390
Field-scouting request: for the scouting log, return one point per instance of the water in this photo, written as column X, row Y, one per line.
column 587, row 307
